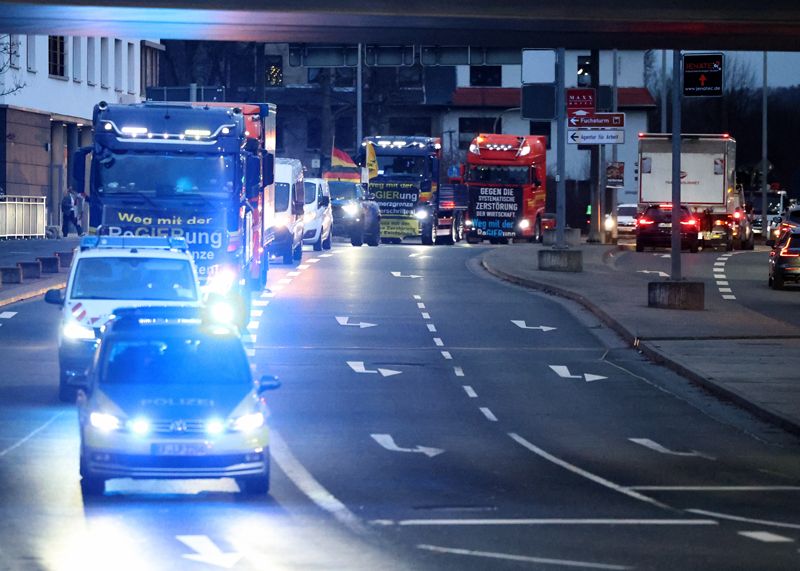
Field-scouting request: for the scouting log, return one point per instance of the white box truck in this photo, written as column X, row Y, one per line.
column 708, row 185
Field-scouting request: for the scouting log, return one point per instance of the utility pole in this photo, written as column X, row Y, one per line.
column 561, row 149
column 764, row 161
column 359, row 102
column 594, row 163
column 676, row 165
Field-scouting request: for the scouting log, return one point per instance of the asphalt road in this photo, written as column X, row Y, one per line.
column 444, row 421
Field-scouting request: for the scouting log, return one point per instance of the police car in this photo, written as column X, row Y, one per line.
column 169, row 396
column 112, row 272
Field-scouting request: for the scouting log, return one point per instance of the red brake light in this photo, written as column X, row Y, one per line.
column 642, row 221
column 690, row 222
column 737, row 214
column 784, row 253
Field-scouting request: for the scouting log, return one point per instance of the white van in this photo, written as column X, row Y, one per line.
column 318, row 217
column 289, row 210
column 108, row 273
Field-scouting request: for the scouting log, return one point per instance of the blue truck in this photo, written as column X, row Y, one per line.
column 187, row 171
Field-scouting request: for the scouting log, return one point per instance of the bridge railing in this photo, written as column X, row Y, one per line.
column 23, row 216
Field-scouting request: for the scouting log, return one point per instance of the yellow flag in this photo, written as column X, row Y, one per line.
column 372, row 161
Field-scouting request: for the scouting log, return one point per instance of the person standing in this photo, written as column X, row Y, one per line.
column 68, row 213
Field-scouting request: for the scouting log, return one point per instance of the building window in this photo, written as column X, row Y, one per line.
column 13, row 50
column 486, row 76
column 57, row 56
column 90, row 61
column 469, row 127
column 314, row 134
column 541, row 128
column 30, row 52
column 118, row 65
column 274, row 70
column 104, row 62
column 76, row 58
column 131, row 69
column 148, row 66
column 584, row 71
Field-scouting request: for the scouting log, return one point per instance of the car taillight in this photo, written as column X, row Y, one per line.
column 737, row 215
column 644, row 221
column 785, row 253
column 689, row 222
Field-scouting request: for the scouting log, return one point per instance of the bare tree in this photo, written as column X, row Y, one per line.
column 9, row 56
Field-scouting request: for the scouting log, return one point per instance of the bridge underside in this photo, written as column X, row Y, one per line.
column 624, row 24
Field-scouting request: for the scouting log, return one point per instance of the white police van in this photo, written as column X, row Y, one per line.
column 108, row 273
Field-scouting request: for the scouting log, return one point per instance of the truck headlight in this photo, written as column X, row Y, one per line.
column 421, row 214
column 524, row 224
column 104, row 421
column 78, row 332
column 351, row 208
column 221, row 282
column 248, row 422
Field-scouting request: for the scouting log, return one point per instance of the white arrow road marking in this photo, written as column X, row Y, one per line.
column 358, row 367
column 387, row 442
column 400, row 275
column 361, row 324
column 563, row 372
column 522, row 325
column 656, row 447
column 522, row 558
column 207, row 551
column 7, row 314
column 766, row 536
column 659, row 274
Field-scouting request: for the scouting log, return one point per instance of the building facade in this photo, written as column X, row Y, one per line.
column 48, row 89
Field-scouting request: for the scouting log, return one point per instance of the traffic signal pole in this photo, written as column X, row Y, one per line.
column 676, row 165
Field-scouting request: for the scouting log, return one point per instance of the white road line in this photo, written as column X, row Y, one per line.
column 249, row 338
column 458, row 371
column 417, row 297
column 303, row 267
column 722, row 283
column 30, row 435
column 256, row 312
column 276, row 288
column 488, row 414
column 522, row 558
column 717, row 488
column 581, row 472
column 719, row 276
column 426, row 315
column 541, row 521
column 267, row 294
column 725, row 290
column 421, row 305
column 431, row 328
column 325, row 255
column 745, row 519
column 260, row 303
column 728, row 297
column 313, row 260
column 250, row 352
column 7, row 314
column 252, row 325
column 293, row 274
column 470, row 392
column 306, row 483
column 766, row 536
column 718, row 264
column 285, row 281
column 447, row 355
column 438, row 342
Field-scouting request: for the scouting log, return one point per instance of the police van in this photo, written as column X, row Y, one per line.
column 111, row 272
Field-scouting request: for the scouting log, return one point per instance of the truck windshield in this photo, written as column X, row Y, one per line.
column 193, row 360
column 120, row 278
column 496, row 174
column 166, row 174
column 342, row 190
column 405, row 166
column 282, row 195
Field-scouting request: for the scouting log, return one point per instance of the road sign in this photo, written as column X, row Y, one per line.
column 581, row 99
column 598, row 120
column 596, row 136
column 702, row 75
column 538, row 66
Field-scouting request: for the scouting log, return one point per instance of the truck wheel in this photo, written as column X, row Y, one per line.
column 297, row 254
column 429, row 234
column 537, row 230
column 318, row 243
column 326, row 243
column 357, row 238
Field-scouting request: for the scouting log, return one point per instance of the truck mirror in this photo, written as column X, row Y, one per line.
column 267, row 168
column 253, row 176
column 79, row 168
column 54, row 296
column 324, row 201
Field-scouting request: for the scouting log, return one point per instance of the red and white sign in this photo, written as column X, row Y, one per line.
column 580, row 99
column 598, row 120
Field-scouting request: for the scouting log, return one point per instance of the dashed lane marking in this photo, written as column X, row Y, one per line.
column 256, row 312
column 470, row 392
column 488, row 414
column 260, row 303
column 458, row 371
column 521, row 558
column 7, row 314
column 313, row 260
column 447, row 355
column 417, row 297
column 431, row 328
column 421, row 305
column 285, row 281
column 766, row 537
column 303, row 267
column 293, row 274
column 426, row 315
column 252, row 325
column 745, row 519
column 438, row 342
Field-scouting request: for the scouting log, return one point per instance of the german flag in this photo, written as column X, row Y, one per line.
column 341, row 159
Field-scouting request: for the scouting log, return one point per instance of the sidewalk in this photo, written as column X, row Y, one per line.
column 13, row 251
column 759, row 372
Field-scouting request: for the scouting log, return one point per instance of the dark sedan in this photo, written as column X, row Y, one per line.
column 784, row 259
column 654, row 228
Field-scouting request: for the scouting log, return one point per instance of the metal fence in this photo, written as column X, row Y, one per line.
column 23, row 216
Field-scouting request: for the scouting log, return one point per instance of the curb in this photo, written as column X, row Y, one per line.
column 32, row 293
column 651, row 352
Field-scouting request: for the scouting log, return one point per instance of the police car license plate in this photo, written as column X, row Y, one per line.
column 179, row 449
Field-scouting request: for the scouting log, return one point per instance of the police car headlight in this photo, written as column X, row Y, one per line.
column 524, row 224
column 221, row 312
column 77, row 331
column 351, row 208
column 104, row 421
column 215, row 426
column 248, row 422
column 421, row 214
column 140, row 426
column 221, row 282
